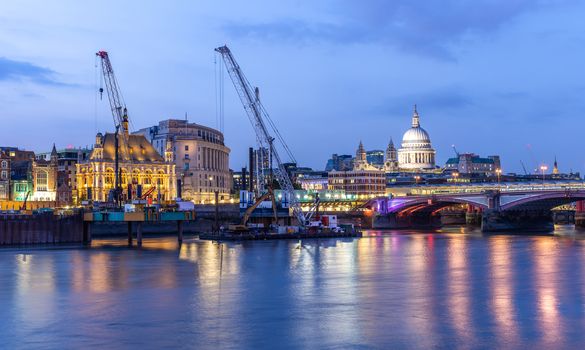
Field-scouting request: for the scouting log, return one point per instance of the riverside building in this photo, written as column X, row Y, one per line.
column 200, row 156
column 141, row 168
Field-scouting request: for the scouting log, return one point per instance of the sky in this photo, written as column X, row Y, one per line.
column 490, row 77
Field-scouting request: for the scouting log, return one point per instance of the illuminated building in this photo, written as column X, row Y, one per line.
column 364, row 179
column 4, row 176
column 368, row 182
column 141, row 168
column 469, row 163
column 416, row 152
column 45, row 178
column 317, row 182
column 200, row 156
column 67, row 172
column 27, row 175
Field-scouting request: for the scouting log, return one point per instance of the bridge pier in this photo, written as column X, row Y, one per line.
column 580, row 214
column 413, row 220
column 503, row 221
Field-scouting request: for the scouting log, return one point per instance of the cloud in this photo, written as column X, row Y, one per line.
column 438, row 100
column 11, row 70
column 427, row 28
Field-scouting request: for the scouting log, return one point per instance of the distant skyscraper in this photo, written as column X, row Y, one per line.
column 339, row 162
column 375, row 158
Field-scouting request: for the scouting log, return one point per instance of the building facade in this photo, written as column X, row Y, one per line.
column 200, row 156
column 370, row 182
column 45, row 178
column 23, row 176
column 4, row 176
column 67, row 172
column 470, row 163
column 416, row 152
column 142, row 170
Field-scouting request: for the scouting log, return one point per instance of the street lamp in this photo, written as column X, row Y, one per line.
column 499, row 174
column 455, row 176
column 416, row 178
column 543, row 168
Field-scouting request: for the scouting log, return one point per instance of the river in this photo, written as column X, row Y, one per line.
column 452, row 288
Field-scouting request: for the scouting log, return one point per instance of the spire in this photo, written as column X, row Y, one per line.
column 391, row 145
column 415, row 118
column 360, row 154
column 54, row 150
column 555, row 167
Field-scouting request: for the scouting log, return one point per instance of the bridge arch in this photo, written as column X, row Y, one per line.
column 540, row 201
column 411, row 204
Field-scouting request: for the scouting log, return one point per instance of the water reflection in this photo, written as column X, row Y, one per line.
column 413, row 289
column 502, row 289
column 545, row 271
column 459, row 296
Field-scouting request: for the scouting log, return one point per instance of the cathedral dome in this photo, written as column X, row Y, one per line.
column 416, row 135
column 416, row 152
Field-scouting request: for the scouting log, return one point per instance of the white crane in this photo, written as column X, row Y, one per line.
column 259, row 119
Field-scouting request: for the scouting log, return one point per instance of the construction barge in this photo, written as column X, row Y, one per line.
column 261, row 236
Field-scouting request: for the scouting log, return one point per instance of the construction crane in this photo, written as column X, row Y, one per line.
column 117, row 104
column 455, row 150
column 260, row 119
column 119, row 113
column 523, row 167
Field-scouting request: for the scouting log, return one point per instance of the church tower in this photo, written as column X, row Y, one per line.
column 98, row 148
column 555, row 167
column 54, row 155
column 391, row 161
column 360, row 161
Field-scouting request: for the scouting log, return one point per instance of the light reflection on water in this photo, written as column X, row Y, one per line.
column 409, row 289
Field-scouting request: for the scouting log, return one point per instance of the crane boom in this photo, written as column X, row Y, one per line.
column 258, row 117
column 119, row 111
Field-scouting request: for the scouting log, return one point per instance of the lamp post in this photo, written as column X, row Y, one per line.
column 216, row 201
column 543, row 168
column 416, row 178
column 455, row 176
column 499, row 174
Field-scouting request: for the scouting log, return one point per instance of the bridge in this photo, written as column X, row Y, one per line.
column 495, row 210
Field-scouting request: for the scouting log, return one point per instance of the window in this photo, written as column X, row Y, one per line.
column 186, row 147
column 42, row 181
column 4, row 164
column 4, row 175
column 109, row 178
column 186, row 166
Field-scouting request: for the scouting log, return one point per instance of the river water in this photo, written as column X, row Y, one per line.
column 452, row 288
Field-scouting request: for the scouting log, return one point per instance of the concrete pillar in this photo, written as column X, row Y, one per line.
column 130, row 233
column 86, row 232
column 180, row 231
column 580, row 214
column 139, row 234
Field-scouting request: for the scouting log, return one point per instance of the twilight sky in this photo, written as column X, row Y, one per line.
column 491, row 77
